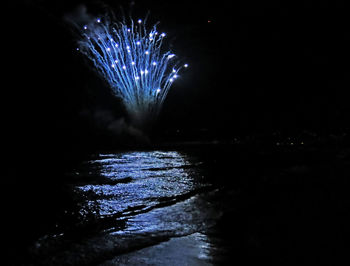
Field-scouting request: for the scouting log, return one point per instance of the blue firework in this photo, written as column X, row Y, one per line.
column 132, row 60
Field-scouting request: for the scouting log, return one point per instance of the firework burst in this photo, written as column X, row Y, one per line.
column 131, row 59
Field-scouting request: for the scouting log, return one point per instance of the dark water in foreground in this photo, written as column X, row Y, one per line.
column 201, row 207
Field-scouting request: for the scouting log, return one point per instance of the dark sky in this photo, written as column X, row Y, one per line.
column 256, row 68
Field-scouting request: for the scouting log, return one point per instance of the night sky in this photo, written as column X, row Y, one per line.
column 256, row 67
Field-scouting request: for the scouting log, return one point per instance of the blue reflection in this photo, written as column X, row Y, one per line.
column 155, row 176
column 138, row 164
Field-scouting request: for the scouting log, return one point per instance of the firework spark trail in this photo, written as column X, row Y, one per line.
column 131, row 60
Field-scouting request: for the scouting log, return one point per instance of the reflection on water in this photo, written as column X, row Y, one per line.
column 139, row 164
column 156, row 202
column 161, row 198
column 153, row 177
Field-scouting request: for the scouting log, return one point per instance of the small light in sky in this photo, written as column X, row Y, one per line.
column 98, row 20
column 185, row 65
column 139, row 21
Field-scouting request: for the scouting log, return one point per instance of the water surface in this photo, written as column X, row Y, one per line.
column 200, row 207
